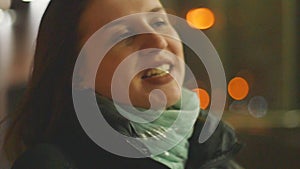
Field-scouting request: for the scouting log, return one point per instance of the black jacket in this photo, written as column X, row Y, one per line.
column 77, row 151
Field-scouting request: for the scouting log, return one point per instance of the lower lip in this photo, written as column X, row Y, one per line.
column 159, row 80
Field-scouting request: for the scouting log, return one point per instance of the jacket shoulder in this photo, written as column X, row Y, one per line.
column 43, row 156
column 219, row 150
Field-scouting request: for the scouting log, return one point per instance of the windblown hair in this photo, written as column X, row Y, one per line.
column 46, row 107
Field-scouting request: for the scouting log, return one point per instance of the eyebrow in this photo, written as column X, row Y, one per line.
column 157, row 9
column 116, row 23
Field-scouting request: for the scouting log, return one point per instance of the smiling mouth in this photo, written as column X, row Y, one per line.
column 159, row 71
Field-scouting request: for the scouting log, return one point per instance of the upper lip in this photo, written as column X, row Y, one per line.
column 157, row 64
column 153, row 58
column 156, row 58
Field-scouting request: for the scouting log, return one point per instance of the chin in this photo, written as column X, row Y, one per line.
column 173, row 99
column 161, row 95
column 157, row 99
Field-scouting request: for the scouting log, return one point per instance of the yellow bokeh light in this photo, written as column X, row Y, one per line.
column 204, row 98
column 200, row 18
column 238, row 88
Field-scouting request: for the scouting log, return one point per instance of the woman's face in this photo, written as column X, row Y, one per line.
column 100, row 12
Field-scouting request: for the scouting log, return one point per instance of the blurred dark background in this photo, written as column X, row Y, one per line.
column 256, row 40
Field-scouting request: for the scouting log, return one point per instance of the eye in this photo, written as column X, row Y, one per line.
column 123, row 36
column 159, row 22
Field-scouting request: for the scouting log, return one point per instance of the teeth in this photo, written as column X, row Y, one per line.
column 159, row 71
column 164, row 67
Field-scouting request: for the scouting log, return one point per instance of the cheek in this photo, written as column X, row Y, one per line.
column 179, row 51
column 176, row 44
column 103, row 81
column 176, row 47
column 104, row 75
column 181, row 63
column 107, row 72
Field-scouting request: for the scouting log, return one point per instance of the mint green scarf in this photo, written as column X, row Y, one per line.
column 167, row 136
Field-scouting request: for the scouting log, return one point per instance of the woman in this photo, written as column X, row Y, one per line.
column 45, row 132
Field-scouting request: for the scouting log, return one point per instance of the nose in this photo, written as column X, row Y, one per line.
column 153, row 40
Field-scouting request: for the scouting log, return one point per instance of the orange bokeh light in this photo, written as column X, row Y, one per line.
column 238, row 88
column 200, row 18
column 204, row 98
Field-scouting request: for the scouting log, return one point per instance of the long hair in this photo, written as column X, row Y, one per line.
column 46, row 107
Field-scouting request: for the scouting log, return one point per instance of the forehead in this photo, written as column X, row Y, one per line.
column 100, row 12
column 123, row 7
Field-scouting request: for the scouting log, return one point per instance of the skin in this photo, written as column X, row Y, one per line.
column 98, row 13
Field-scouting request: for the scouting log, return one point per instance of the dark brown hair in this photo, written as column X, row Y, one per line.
column 46, row 108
